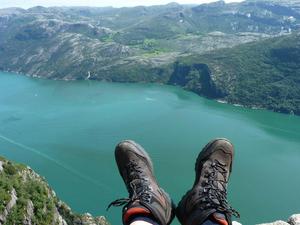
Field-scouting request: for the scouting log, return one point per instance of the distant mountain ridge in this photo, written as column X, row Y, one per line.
column 150, row 44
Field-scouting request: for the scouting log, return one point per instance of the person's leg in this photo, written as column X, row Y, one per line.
column 143, row 221
column 147, row 202
column 206, row 203
column 210, row 222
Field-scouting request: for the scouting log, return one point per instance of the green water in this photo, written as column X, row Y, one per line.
column 67, row 131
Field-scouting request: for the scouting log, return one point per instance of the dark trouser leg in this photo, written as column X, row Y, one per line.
column 210, row 222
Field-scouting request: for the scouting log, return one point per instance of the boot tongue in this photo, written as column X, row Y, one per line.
column 219, row 218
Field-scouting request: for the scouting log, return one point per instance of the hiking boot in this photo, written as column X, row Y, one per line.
column 146, row 198
column 208, row 197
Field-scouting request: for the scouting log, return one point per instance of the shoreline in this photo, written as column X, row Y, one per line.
column 221, row 101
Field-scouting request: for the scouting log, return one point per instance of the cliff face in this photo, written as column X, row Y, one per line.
column 26, row 198
column 195, row 77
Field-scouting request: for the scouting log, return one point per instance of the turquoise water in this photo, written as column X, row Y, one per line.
column 67, row 131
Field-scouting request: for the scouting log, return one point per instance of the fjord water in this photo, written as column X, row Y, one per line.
column 67, row 131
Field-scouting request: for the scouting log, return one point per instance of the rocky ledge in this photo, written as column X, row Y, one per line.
column 293, row 220
column 26, row 198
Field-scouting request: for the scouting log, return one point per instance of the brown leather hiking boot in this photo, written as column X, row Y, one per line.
column 145, row 196
column 208, row 196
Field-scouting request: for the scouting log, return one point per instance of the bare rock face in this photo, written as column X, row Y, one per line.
column 59, row 219
column 9, row 206
column 279, row 222
column 294, row 219
column 1, row 167
column 29, row 213
column 88, row 219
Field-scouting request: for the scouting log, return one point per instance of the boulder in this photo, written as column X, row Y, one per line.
column 294, row 219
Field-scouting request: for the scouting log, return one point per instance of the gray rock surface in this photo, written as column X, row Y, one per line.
column 9, row 206
column 279, row 222
column 30, row 212
column 294, row 219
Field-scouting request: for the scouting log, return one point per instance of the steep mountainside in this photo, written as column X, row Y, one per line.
column 263, row 75
column 26, row 198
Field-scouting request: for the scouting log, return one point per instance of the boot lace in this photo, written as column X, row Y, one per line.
column 213, row 196
column 138, row 187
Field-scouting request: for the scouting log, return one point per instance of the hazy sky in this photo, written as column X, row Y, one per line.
column 115, row 3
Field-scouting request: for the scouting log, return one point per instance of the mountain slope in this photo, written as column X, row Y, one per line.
column 72, row 42
column 264, row 74
column 26, row 198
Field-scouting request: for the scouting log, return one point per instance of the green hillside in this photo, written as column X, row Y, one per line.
column 262, row 75
column 26, row 198
column 218, row 50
